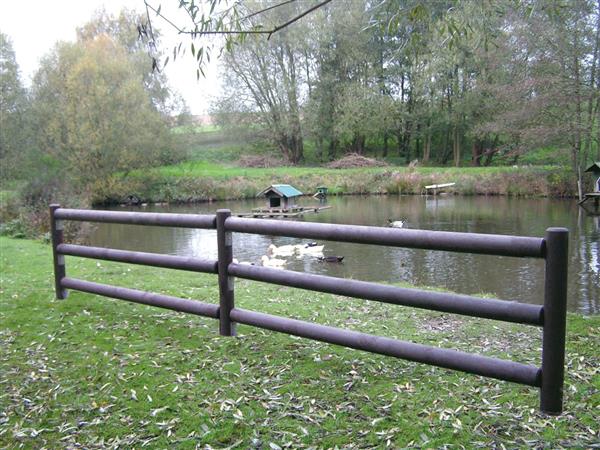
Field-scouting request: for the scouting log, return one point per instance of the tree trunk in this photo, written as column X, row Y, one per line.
column 333, row 144
column 477, row 152
column 456, row 146
column 385, row 144
column 406, row 145
column 427, row 149
column 578, row 160
column 446, row 153
column 399, row 142
column 594, row 87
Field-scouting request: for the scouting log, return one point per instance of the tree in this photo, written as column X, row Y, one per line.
column 93, row 115
column 574, row 80
column 543, row 78
column 348, row 102
column 123, row 28
column 13, row 108
column 437, row 80
column 266, row 79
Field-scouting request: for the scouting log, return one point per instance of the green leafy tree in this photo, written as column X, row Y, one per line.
column 93, row 114
column 13, row 110
column 123, row 28
column 445, row 81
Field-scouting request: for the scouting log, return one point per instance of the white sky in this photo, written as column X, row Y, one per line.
column 35, row 26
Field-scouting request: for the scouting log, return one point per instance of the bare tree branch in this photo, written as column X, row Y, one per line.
column 238, row 32
column 266, row 9
column 298, row 17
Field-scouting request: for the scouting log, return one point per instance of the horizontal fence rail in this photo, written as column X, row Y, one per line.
column 137, row 218
column 551, row 316
column 145, row 259
column 490, row 244
column 145, row 298
column 441, row 357
column 437, row 301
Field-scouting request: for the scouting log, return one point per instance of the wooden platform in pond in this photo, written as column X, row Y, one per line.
column 594, row 210
column 590, row 195
column 297, row 211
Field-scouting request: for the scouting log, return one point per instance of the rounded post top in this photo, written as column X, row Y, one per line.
column 556, row 240
column 54, row 205
column 557, row 230
column 223, row 211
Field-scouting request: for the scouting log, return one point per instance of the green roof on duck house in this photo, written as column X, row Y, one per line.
column 594, row 168
column 281, row 190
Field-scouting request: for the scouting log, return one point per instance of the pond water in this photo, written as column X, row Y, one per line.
column 507, row 278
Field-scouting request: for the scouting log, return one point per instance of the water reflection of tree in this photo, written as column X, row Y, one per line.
column 587, row 252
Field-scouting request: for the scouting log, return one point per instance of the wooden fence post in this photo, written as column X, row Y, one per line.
column 56, row 232
column 555, row 317
column 226, row 282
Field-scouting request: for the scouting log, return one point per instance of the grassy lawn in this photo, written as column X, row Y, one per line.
column 224, row 171
column 94, row 372
column 194, row 129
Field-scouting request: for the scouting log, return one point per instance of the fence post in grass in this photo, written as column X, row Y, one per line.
column 56, row 232
column 555, row 317
column 226, row 295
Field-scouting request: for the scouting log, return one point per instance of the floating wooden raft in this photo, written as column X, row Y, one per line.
column 296, row 211
column 435, row 187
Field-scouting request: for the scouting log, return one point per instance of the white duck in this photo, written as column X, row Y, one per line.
column 312, row 250
column 272, row 262
column 243, row 263
column 396, row 223
column 284, row 250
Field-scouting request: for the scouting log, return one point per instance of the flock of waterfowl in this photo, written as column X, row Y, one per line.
column 275, row 255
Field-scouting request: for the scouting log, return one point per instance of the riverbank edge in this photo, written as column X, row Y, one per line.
column 90, row 369
column 188, row 187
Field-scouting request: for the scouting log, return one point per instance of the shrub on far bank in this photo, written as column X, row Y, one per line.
column 354, row 160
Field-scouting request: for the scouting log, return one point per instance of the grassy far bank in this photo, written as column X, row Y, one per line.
column 202, row 180
column 95, row 372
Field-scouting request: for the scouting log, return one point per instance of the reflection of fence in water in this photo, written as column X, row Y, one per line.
column 551, row 316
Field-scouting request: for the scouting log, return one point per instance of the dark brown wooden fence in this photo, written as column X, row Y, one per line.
column 551, row 315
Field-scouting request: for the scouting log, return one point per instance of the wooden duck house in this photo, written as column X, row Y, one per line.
column 595, row 195
column 595, row 170
column 280, row 196
column 281, row 202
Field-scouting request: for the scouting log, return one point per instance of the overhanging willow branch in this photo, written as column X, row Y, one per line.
column 269, row 32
